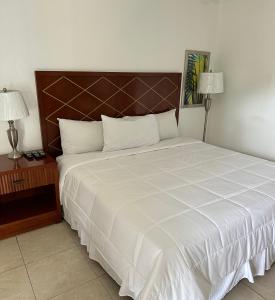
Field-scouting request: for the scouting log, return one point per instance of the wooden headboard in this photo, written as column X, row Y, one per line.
column 87, row 95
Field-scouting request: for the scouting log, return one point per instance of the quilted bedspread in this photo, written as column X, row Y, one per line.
column 171, row 221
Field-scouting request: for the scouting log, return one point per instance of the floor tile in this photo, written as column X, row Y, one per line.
column 264, row 285
column 15, row 285
column 97, row 269
column 242, row 292
column 56, row 274
column 92, row 290
column 112, row 287
column 10, row 256
column 46, row 241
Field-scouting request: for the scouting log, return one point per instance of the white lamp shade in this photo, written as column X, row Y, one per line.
column 211, row 83
column 12, row 106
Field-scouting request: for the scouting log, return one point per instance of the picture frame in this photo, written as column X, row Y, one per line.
column 195, row 63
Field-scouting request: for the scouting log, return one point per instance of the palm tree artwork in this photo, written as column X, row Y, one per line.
column 196, row 62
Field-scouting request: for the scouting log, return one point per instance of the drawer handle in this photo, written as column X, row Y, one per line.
column 18, row 181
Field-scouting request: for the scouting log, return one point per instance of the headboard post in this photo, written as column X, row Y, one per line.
column 88, row 95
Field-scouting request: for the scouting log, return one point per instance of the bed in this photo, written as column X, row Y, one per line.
column 180, row 219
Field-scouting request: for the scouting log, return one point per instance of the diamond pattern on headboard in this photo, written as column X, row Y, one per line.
column 88, row 95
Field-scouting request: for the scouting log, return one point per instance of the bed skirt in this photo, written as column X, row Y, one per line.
column 256, row 266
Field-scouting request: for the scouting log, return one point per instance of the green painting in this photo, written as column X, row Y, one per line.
column 195, row 63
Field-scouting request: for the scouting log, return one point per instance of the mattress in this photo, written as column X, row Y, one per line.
column 178, row 220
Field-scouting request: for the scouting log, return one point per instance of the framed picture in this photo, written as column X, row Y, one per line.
column 195, row 63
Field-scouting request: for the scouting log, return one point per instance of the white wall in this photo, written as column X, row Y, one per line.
column 191, row 121
column 244, row 117
column 97, row 35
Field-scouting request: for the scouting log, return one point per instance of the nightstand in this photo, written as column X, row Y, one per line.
column 29, row 194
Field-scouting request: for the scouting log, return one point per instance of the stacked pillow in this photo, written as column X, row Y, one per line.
column 167, row 124
column 80, row 136
column 128, row 133
column 116, row 133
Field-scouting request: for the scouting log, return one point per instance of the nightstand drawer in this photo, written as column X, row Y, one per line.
column 29, row 194
column 30, row 178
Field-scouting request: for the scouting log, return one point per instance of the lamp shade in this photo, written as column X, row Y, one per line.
column 211, row 83
column 12, row 106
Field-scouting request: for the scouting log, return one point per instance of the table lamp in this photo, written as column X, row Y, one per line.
column 12, row 107
column 209, row 83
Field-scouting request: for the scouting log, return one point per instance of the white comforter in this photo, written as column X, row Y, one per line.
column 181, row 220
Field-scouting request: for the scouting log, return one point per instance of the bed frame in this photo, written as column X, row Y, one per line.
column 87, row 95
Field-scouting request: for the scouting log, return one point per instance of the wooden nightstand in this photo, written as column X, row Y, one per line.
column 29, row 195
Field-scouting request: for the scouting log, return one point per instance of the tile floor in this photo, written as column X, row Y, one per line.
column 49, row 263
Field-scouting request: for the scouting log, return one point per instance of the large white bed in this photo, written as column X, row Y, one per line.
column 179, row 220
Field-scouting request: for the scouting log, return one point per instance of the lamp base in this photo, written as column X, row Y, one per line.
column 15, row 154
column 13, row 139
column 207, row 105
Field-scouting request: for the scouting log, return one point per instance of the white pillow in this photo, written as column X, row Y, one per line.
column 167, row 124
column 80, row 136
column 129, row 133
